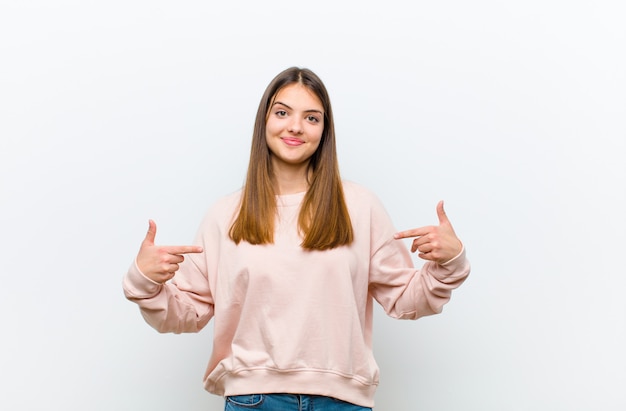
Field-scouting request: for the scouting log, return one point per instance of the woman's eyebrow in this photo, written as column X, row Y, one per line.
column 282, row 104
column 306, row 111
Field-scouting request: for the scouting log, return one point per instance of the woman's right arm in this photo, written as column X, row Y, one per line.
column 182, row 305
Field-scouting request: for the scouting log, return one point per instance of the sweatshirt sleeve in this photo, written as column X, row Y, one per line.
column 404, row 291
column 182, row 305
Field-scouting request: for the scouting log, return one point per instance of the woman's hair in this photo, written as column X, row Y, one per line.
column 324, row 222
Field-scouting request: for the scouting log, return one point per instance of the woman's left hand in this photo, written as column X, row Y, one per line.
column 436, row 243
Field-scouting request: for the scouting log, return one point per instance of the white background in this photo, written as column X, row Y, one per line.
column 115, row 112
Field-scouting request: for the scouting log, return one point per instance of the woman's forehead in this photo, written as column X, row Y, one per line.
column 298, row 94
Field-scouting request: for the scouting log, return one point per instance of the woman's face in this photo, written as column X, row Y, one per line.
column 294, row 126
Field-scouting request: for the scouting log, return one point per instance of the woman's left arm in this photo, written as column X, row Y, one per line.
column 410, row 293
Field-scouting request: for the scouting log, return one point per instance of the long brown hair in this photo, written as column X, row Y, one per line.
column 324, row 221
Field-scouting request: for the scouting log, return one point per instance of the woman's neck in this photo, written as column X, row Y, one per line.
column 290, row 180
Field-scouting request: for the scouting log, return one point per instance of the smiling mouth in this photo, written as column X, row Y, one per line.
column 292, row 141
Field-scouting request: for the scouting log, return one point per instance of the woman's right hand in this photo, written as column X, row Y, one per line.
column 160, row 263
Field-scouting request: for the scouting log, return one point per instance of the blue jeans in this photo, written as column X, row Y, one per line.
column 288, row 402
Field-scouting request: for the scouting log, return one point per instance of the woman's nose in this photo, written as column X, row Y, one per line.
column 295, row 126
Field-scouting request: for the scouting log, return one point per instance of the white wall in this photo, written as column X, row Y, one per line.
column 115, row 112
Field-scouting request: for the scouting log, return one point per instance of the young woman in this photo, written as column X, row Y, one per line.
column 288, row 268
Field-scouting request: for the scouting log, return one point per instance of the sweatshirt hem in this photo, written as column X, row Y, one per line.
column 328, row 383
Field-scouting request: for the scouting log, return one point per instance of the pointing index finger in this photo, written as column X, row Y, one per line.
column 183, row 249
column 415, row 232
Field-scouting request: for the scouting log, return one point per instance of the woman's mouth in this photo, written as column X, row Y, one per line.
column 292, row 141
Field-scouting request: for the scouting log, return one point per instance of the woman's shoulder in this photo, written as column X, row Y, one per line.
column 224, row 207
column 358, row 193
column 351, row 188
column 229, row 199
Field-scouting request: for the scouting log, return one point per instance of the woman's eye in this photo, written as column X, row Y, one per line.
column 281, row 113
column 313, row 119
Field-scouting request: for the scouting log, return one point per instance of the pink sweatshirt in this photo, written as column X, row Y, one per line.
column 293, row 321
